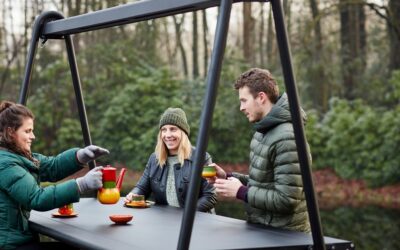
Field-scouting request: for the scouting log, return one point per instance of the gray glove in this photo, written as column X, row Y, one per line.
column 90, row 153
column 92, row 180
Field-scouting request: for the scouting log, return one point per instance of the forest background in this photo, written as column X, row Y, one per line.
column 347, row 66
column 346, row 63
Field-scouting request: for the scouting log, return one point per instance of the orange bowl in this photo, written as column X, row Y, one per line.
column 121, row 218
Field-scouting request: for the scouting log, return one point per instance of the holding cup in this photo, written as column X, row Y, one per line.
column 138, row 200
column 209, row 172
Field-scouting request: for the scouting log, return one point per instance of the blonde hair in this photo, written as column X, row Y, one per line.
column 184, row 149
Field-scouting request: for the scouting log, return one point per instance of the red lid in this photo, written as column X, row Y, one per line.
column 109, row 173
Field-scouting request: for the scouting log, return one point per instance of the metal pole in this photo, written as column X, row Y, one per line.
column 302, row 151
column 78, row 94
column 214, row 73
column 36, row 32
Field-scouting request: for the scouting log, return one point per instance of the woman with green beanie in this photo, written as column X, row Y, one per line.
column 169, row 168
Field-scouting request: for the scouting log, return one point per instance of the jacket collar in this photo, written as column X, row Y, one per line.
column 19, row 159
column 280, row 113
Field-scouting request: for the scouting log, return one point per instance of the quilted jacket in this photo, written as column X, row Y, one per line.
column 275, row 189
column 20, row 191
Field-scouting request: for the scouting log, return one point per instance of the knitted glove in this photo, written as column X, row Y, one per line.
column 90, row 153
column 92, row 180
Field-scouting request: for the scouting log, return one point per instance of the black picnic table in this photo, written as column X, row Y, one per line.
column 157, row 227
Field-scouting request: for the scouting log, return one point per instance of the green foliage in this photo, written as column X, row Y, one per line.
column 51, row 93
column 357, row 140
column 126, row 89
column 129, row 124
column 231, row 132
column 368, row 228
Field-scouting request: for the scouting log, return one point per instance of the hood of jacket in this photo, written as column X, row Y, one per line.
column 280, row 113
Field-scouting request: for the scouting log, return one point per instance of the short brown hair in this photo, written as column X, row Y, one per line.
column 259, row 80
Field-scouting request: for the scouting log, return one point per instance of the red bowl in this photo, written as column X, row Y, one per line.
column 121, row 218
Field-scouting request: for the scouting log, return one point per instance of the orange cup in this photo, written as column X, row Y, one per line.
column 208, row 172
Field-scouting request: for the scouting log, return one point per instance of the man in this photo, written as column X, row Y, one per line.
column 273, row 190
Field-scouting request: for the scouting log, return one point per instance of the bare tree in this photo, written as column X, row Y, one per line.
column 287, row 5
column 178, row 31
column 319, row 83
column 195, row 47
column 167, row 43
column 391, row 14
column 248, row 33
column 205, row 42
column 11, row 51
column 394, row 34
column 353, row 44
column 270, row 37
column 261, row 36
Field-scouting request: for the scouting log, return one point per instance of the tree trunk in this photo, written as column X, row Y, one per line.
column 248, row 33
column 10, row 52
column 74, row 10
column 394, row 34
column 261, row 36
column 270, row 38
column 178, row 25
column 353, row 45
column 318, row 80
column 205, row 42
column 287, row 4
column 195, row 48
column 168, row 46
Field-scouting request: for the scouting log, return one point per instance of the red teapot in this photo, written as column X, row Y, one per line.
column 109, row 193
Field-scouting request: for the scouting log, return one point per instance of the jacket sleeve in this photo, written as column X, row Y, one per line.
column 208, row 195
column 286, row 191
column 243, row 178
column 144, row 184
column 25, row 190
column 207, row 198
column 55, row 168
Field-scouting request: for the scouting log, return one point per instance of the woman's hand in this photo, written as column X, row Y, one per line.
column 90, row 153
column 91, row 181
column 128, row 197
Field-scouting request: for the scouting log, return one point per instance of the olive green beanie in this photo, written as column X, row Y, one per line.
column 177, row 117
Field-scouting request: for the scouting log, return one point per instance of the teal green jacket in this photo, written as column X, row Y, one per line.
column 20, row 191
column 275, row 194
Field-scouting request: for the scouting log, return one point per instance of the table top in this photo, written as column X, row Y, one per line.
column 158, row 227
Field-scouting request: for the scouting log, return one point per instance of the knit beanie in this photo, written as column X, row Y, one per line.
column 177, row 117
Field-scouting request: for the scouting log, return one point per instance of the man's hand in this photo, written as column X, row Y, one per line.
column 227, row 188
column 90, row 153
column 220, row 173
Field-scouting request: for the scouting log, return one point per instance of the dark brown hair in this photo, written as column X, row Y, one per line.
column 12, row 116
column 259, row 80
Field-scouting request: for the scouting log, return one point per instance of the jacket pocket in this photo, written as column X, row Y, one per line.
column 183, row 186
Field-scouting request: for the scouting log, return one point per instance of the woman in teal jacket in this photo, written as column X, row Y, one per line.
column 22, row 171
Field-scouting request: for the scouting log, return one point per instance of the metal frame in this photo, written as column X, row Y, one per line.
column 52, row 25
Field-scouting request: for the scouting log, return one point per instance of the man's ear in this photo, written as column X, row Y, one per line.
column 263, row 97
